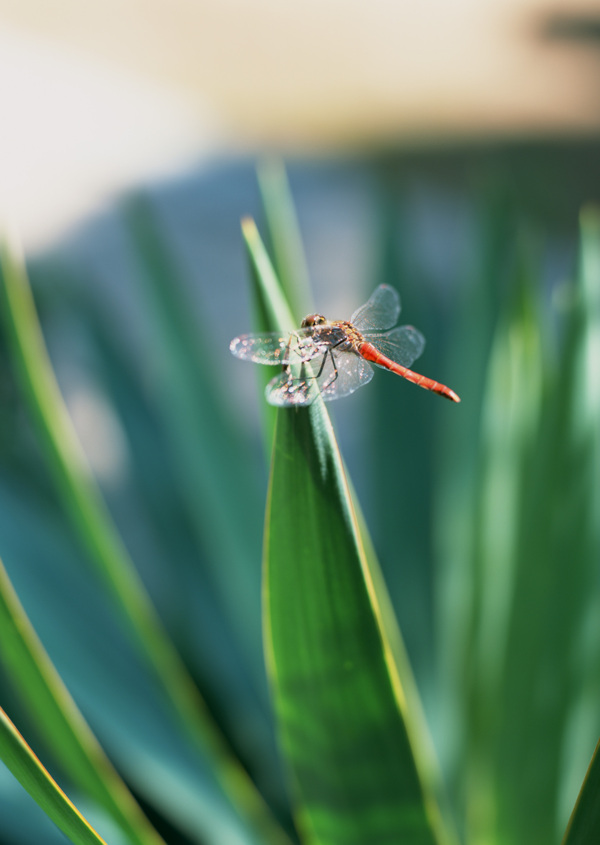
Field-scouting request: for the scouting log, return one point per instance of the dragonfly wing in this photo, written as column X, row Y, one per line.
column 343, row 373
column 286, row 391
column 402, row 345
column 380, row 312
column 335, row 375
column 278, row 348
column 267, row 348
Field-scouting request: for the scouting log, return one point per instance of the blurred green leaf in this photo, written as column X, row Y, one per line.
column 277, row 315
column 114, row 686
column 555, row 558
column 584, row 824
column 345, row 728
column 459, row 465
column 22, row 821
column 511, row 419
column 284, row 237
column 28, row 770
column 404, row 430
column 271, row 311
column 535, row 546
column 82, row 500
column 215, row 477
column 504, row 636
column 57, row 716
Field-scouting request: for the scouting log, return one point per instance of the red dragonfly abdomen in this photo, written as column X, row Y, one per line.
column 369, row 353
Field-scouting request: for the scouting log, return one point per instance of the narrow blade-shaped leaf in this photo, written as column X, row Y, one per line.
column 271, row 311
column 30, row 773
column 584, row 824
column 89, row 515
column 274, row 305
column 60, row 721
column 214, row 477
column 354, row 755
column 284, row 235
column 344, row 724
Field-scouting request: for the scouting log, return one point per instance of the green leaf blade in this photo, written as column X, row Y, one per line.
column 24, row 765
column 284, row 235
column 354, row 759
column 338, row 695
column 60, row 721
column 213, row 481
column 584, row 824
column 90, row 517
column 274, row 309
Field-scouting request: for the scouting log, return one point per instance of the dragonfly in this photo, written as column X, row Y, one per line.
column 333, row 358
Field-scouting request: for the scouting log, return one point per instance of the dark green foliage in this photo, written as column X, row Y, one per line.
column 485, row 517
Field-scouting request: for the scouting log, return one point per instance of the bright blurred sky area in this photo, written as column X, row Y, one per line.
column 98, row 97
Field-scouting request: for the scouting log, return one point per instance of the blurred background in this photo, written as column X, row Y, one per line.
column 98, row 98
column 444, row 148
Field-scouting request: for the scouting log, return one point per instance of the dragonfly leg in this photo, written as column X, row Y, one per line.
column 303, row 378
column 333, row 377
column 321, row 368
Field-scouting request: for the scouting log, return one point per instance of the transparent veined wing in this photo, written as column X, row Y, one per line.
column 268, row 348
column 344, row 372
column 277, row 348
column 335, row 375
column 402, row 345
column 285, row 390
column 381, row 312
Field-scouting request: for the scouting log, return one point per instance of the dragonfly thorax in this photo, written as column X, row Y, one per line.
column 353, row 337
column 335, row 332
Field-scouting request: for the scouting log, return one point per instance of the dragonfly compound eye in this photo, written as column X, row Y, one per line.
column 313, row 320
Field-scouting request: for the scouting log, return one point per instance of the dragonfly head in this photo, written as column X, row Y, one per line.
column 313, row 320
